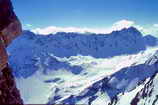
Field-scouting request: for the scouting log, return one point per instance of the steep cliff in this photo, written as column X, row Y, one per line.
column 9, row 94
column 10, row 28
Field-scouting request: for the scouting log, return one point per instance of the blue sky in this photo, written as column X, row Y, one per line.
column 85, row 13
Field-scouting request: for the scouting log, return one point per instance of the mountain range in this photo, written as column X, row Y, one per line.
column 91, row 69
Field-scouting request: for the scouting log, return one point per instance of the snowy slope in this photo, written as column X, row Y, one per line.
column 147, row 92
column 60, row 67
column 116, row 87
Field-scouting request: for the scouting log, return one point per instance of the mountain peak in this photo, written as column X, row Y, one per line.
column 131, row 29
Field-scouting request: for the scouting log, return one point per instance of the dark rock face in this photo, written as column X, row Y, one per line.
column 10, row 28
column 9, row 94
column 3, row 56
column 7, row 14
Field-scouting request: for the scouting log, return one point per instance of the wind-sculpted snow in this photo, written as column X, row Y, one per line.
column 61, row 67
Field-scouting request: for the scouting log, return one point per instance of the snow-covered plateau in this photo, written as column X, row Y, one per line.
column 119, row 68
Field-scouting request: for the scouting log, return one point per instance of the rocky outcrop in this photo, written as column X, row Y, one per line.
column 10, row 28
column 9, row 94
column 3, row 56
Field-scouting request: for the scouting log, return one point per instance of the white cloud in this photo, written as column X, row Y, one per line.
column 116, row 26
column 155, row 25
column 53, row 29
column 122, row 24
column 152, row 30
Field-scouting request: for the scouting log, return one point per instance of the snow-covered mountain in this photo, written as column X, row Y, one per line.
column 82, row 68
column 147, row 92
column 133, row 85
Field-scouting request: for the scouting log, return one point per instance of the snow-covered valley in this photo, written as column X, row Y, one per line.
column 73, row 68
